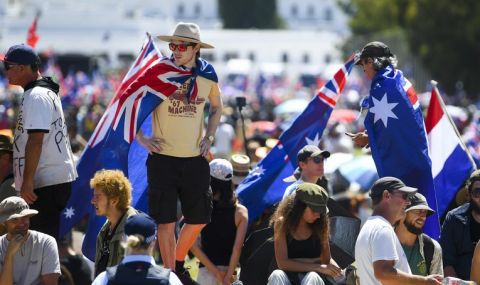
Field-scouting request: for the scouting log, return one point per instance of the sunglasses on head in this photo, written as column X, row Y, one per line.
column 317, row 159
column 475, row 193
column 9, row 65
column 180, row 47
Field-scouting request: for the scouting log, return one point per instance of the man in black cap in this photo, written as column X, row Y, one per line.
column 310, row 169
column 42, row 158
column 378, row 252
column 424, row 254
column 6, row 169
column 138, row 266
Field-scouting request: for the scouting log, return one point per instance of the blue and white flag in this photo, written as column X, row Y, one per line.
column 264, row 186
column 397, row 136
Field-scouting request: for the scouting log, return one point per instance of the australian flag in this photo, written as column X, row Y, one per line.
column 397, row 136
column 150, row 81
column 264, row 186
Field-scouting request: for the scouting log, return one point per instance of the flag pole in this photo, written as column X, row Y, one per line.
column 442, row 104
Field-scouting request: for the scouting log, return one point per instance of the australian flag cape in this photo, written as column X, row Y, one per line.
column 397, row 136
column 264, row 186
column 151, row 80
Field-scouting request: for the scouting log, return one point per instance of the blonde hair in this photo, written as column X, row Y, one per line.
column 114, row 184
column 135, row 243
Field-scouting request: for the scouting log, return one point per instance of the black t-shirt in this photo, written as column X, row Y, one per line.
column 474, row 229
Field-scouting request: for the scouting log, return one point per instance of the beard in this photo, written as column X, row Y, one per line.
column 474, row 206
column 412, row 228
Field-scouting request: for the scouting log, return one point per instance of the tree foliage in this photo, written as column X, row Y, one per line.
column 444, row 34
column 247, row 14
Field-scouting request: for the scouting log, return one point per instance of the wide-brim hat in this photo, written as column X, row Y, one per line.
column 14, row 207
column 241, row 167
column 187, row 32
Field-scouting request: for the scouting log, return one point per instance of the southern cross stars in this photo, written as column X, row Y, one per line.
column 383, row 110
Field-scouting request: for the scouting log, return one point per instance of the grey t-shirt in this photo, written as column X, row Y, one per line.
column 37, row 256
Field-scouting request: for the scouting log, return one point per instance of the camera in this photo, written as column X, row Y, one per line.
column 241, row 101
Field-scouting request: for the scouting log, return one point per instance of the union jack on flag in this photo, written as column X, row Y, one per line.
column 264, row 186
column 151, row 79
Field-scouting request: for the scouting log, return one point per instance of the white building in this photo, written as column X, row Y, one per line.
column 115, row 29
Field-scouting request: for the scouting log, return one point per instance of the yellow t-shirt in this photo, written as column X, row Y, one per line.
column 180, row 124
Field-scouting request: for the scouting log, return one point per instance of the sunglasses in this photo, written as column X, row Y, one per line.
column 317, row 159
column 475, row 193
column 9, row 65
column 405, row 196
column 180, row 47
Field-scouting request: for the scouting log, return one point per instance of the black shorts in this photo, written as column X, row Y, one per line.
column 170, row 178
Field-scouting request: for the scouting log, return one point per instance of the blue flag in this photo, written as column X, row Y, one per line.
column 264, row 186
column 150, row 81
column 397, row 136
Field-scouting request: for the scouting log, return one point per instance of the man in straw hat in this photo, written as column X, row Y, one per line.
column 27, row 256
column 424, row 254
column 176, row 166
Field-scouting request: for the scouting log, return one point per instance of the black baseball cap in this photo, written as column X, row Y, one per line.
column 374, row 49
column 21, row 54
column 390, row 184
column 311, row 151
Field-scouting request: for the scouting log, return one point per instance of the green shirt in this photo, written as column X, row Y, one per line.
column 415, row 259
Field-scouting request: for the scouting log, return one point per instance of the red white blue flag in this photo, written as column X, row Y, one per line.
column 451, row 162
column 264, row 186
column 150, row 81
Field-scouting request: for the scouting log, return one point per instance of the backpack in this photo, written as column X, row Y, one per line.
column 428, row 249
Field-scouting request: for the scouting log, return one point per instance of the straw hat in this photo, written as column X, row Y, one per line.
column 187, row 32
column 241, row 167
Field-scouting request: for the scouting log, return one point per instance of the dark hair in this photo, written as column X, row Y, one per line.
column 475, row 176
column 287, row 217
column 227, row 195
column 36, row 66
column 382, row 62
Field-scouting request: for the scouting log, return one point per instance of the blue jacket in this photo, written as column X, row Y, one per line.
column 457, row 245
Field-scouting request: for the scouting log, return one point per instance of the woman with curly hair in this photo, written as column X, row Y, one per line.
column 301, row 234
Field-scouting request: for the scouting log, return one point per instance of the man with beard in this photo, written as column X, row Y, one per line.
column 423, row 253
column 461, row 232
column 378, row 253
column 26, row 256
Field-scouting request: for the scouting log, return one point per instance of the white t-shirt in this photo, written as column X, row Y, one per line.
column 223, row 140
column 41, row 109
column 377, row 241
column 38, row 256
column 290, row 188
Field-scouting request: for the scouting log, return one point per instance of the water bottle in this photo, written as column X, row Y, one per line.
column 456, row 281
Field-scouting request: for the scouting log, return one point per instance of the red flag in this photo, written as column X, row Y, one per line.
column 32, row 36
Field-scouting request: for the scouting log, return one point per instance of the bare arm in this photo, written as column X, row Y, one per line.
column 6, row 276
column 388, row 275
column 359, row 139
column 475, row 271
column 50, row 279
column 241, row 221
column 151, row 144
column 198, row 252
column 33, row 150
column 214, row 115
column 295, row 265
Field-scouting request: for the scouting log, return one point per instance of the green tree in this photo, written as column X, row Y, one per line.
column 247, row 14
column 444, row 35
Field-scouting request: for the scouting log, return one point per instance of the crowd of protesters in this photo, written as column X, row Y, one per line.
column 390, row 248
